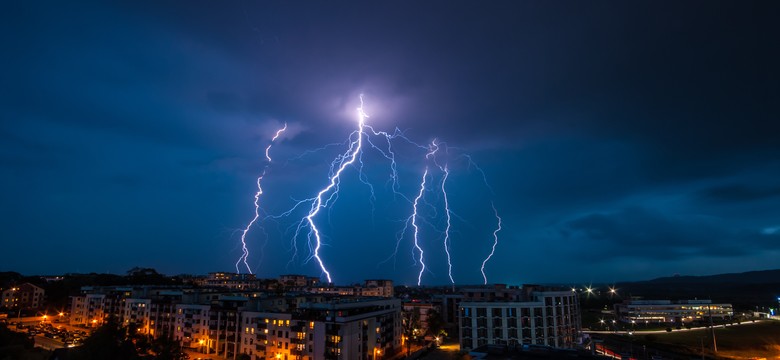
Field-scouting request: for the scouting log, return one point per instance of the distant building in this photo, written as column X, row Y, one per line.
column 531, row 315
column 380, row 288
column 299, row 281
column 449, row 305
column 667, row 311
column 23, row 296
column 230, row 280
column 371, row 288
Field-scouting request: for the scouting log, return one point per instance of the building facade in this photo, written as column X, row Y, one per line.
column 262, row 325
column 549, row 318
column 667, row 311
column 23, row 296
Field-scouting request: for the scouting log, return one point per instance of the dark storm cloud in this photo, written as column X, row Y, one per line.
column 152, row 117
column 736, row 193
column 644, row 235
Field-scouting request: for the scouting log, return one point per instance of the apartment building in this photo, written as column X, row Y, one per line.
column 533, row 315
column 262, row 325
column 22, row 296
column 334, row 329
column 379, row 288
column 299, row 281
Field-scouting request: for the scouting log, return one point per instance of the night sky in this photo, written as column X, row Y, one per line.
column 620, row 140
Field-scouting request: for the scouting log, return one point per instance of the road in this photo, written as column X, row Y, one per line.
column 640, row 332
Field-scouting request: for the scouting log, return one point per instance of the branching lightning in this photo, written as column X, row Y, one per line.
column 321, row 201
column 244, row 249
column 495, row 242
column 363, row 139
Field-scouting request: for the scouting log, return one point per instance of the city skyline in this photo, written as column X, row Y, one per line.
column 620, row 142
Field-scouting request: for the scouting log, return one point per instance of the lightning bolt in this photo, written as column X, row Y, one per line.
column 416, row 228
column 276, row 136
column 495, row 242
column 449, row 222
column 321, row 201
column 434, row 148
column 362, row 139
column 244, row 249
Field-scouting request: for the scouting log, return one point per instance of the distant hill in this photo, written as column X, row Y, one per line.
column 745, row 290
column 750, row 277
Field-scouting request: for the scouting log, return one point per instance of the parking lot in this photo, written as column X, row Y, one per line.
column 49, row 335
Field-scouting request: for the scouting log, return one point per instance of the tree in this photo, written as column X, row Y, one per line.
column 435, row 324
column 167, row 349
column 410, row 322
column 109, row 341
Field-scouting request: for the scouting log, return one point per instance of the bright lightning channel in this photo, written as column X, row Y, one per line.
column 320, row 201
column 244, row 249
column 449, row 222
column 416, row 228
column 495, row 242
column 434, row 148
column 328, row 195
